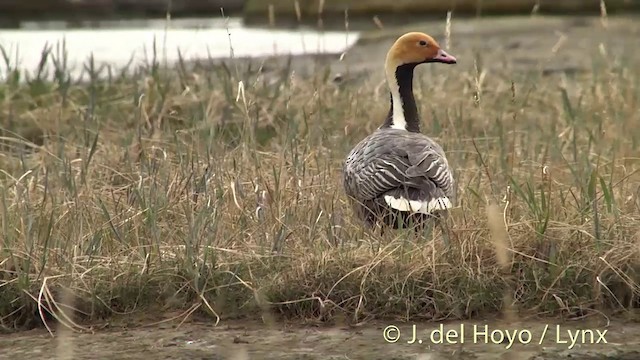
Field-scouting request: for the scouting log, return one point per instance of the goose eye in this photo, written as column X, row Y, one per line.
column 422, row 43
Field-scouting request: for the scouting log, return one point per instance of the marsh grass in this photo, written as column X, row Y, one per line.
column 216, row 190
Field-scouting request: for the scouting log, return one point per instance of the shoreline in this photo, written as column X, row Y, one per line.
column 364, row 57
column 283, row 14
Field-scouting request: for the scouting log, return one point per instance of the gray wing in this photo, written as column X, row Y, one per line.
column 402, row 165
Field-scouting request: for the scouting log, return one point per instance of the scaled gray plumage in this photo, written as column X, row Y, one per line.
column 397, row 163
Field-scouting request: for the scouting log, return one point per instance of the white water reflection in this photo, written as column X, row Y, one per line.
column 116, row 43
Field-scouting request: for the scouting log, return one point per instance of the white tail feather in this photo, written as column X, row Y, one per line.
column 416, row 206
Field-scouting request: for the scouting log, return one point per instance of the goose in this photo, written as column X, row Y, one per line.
column 397, row 176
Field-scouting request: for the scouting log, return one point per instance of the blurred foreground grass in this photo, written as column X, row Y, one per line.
column 217, row 191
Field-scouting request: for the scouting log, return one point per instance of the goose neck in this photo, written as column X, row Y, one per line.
column 403, row 112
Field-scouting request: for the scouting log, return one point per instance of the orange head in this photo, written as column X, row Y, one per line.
column 416, row 48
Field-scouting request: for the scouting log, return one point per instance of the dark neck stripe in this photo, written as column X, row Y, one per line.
column 404, row 77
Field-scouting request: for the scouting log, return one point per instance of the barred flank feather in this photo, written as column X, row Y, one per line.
column 407, row 171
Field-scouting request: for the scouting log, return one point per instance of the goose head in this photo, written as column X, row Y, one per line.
column 410, row 50
column 416, row 48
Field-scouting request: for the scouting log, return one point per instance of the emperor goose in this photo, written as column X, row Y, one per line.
column 397, row 176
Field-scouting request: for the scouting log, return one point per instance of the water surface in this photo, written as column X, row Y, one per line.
column 119, row 42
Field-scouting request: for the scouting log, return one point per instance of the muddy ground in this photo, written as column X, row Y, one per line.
column 239, row 340
column 505, row 46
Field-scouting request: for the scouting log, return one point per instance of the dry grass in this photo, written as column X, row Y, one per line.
column 217, row 191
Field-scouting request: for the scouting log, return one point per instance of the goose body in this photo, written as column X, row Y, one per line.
column 398, row 176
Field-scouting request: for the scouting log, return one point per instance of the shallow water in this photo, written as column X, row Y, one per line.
column 118, row 42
